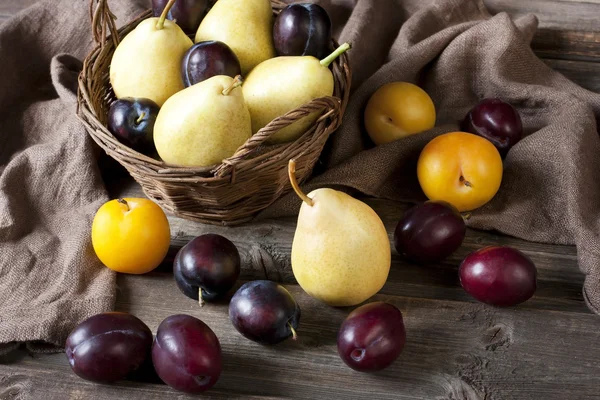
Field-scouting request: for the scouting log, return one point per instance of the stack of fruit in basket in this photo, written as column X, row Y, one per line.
column 341, row 252
column 196, row 104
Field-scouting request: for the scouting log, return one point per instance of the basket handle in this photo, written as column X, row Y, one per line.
column 103, row 22
column 320, row 104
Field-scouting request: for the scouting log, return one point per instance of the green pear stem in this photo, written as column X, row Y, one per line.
column 326, row 62
column 124, row 202
column 294, row 334
column 237, row 82
column 161, row 21
column 200, row 299
column 294, row 183
column 142, row 115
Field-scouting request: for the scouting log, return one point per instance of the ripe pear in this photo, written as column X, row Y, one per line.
column 147, row 62
column 246, row 26
column 341, row 252
column 280, row 85
column 203, row 124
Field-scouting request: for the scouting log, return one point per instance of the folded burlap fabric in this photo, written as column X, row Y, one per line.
column 50, row 185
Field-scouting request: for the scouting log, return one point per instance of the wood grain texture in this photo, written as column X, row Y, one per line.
column 567, row 29
column 585, row 74
column 455, row 350
column 574, row 15
column 547, row 348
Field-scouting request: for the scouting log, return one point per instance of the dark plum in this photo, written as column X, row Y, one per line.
column 108, row 347
column 498, row 275
column 207, row 59
column 132, row 122
column 265, row 312
column 186, row 13
column 303, row 30
column 430, row 232
column 187, row 354
column 209, row 266
column 372, row 337
column 497, row 121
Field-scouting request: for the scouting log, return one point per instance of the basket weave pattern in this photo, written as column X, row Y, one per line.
column 235, row 190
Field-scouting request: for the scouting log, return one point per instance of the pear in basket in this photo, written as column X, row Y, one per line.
column 203, row 124
column 282, row 84
column 147, row 63
column 246, row 26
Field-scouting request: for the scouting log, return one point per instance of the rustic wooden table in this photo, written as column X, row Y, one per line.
column 548, row 348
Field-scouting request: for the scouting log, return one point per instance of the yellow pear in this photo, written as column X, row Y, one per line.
column 147, row 62
column 246, row 26
column 203, row 124
column 341, row 252
column 280, row 85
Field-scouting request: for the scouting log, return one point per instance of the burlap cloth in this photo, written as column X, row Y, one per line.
column 50, row 186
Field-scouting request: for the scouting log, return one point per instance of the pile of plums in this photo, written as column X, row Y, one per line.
column 186, row 353
column 108, row 347
column 500, row 276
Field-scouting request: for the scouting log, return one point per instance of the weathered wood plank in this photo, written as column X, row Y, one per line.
column 455, row 350
column 567, row 44
column 585, row 74
column 574, row 15
column 568, row 29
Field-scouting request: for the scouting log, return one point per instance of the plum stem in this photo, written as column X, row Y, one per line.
column 465, row 182
column 294, row 182
column 124, row 202
column 142, row 116
column 237, row 82
column 326, row 62
column 200, row 299
column 161, row 21
column 294, row 334
column 466, row 216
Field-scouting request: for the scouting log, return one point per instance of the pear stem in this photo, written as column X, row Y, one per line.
column 294, row 182
column 161, row 21
column 124, row 202
column 294, row 334
column 200, row 299
column 326, row 62
column 142, row 116
column 237, row 82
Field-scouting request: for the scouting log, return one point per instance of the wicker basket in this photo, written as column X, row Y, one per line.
column 229, row 193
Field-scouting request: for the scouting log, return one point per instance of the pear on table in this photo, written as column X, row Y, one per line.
column 341, row 252
column 246, row 26
column 203, row 124
column 147, row 63
column 280, row 85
